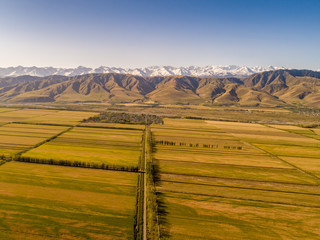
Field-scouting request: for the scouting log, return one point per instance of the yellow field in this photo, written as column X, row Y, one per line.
column 112, row 125
column 194, row 216
column 51, row 202
column 267, row 189
column 44, row 116
column 18, row 137
column 62, row 117
column 97, row 145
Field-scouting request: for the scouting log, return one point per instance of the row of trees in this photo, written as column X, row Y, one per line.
column 233, row 147
column 129, row 118
column 153, row 219
column 77, row 164
column 171, row 143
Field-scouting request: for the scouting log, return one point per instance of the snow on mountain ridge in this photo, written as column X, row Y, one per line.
column 210, row 70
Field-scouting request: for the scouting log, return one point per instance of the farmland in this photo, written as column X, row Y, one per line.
column 93, row 145
column 19, row 137
column 57, row 202
column 53, row 202
column 194, row 179
column 226, row 180
column 43, row 116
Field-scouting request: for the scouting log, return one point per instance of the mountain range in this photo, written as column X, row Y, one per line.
column 208, row 71
column 269, row 89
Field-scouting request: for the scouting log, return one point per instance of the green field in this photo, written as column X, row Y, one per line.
column 51, row 202
column 118, row 147
column 15, row 138
column 264, row 190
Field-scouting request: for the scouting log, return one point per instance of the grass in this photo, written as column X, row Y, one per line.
column 44, row 116
column 244, row 193
column 259, row 191
column 19, row 115
column 263, row 191
column 308, row 164
column 236, row 172
column 204, row 217
column 222, row 157
column 62, row 117
column 48, row 202
column 112, row 125
column 289, row 150
column 109, row 146
column 15, row 138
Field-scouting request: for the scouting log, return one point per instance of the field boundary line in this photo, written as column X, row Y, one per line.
column 33, row 234
column 44, row 124
column 275, row 157
column 134, row 129
column 94, row 168
column 288, row 130
column 205, row 150
column 11, row 110
column 241, row 179
column 187, row 129
column 211, row 152
column 244, row 199
column 290, row 164
column 247, row 188
column 226, row 164
column 45, row 141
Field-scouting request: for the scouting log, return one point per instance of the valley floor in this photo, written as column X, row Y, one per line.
column 61, row 178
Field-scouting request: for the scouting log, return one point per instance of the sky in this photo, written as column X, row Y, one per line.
column 141, row 33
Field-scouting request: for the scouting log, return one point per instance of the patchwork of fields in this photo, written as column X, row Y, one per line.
column 15, row 138
column 93, row 145
column 39, row 201
column 53, row 202
column 224, row 180
column 217, row 180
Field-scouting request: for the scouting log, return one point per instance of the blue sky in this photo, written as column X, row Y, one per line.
column 134, row 33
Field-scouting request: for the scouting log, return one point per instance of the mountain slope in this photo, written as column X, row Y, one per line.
column 290, row 86
column 270, row 88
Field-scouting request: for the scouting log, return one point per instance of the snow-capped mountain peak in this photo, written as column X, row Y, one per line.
column 210, row 70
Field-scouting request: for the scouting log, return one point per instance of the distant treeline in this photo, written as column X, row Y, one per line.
column 183, row 144
column 5, row 157
column 77, row 164
column 129, row 118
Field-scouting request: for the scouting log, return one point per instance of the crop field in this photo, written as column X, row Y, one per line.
column 194, row 216
column 2, row 110
column 119, row 147
column 15, row 138
column 112, row 125
column 43, row 116
column 61, row 117
column 213, row 179
column 225, row 180
column 54, row 202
